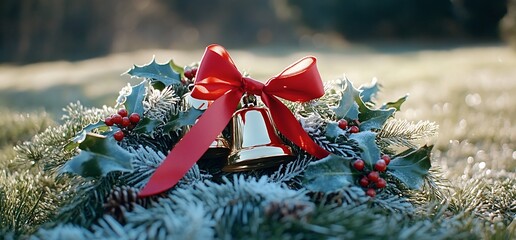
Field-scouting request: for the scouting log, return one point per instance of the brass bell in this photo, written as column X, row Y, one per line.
column 219, row 148
column 256, row 143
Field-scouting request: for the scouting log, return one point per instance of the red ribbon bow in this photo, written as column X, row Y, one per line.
column 218, row 79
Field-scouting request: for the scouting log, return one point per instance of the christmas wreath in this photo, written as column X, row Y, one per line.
column 203, row 152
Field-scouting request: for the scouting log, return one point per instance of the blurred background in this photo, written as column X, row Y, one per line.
column 43, row 30
column 452, row 56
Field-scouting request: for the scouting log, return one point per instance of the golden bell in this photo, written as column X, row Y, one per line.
column 256, row 143
column 219, row 148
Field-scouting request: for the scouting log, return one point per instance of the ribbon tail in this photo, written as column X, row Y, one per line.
column 288, row 125
column 193, row 145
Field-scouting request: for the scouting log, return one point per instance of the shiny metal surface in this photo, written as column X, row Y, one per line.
column 256, row 143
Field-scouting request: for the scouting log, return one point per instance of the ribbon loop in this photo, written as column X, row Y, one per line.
column 218, row 79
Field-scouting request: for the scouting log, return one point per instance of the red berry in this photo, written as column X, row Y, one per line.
column 188, row 74
column 364, row 181
column 108, row 121
column 343, row 124
column 371, row 192
column 117, row 119
column 125, row 122
column 373, row 176
column 354, row 129
column 119, row 136
column 134, row 118
column 194, row 72
column 122, row 112
column 359, row 164
column 386, row 158
column 380, row 165
column 381, row 183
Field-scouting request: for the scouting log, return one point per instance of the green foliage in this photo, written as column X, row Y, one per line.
column 333, row 132
column 81, row 136
column 31, row 196
column 26, row 201
column 47, row 149
column 134, row 100
column 329, row 174
column 368, row 93
column 402, row 133
column 329, row 136
column 146, row 126
column 347, row 107
column 160, row 104
column 164, row 73
column 186, row 118
column 411, row 166
column 396, row 104
column 353, row 106
column 370, row 152
column 99, row 156
column 82, row 203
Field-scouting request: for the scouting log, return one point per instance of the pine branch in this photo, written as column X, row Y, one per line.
column 291, row 170
column 322, row 106
column 64, row 231
column 159, row 104
column 403, row 133
column 488, row 197
column 46, row 149
column 236, row 204
column 365, row 222
column 83, row 206
column 394, row 205
column 315, row 126
column 165, row 220
column 26, row 201
column 145, row 163
column 347, row 195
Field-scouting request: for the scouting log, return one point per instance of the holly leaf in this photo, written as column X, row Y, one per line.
column 369, row 118
column 367, row 93
column 164, row 73
column 146, row 126
column 411, row 166
column 134, row 101
column 99, row 156
column 333, row 131
column 182, row 119
column 347, row 107
column 176, row 68
column 396, row 105
column 81, row 136
column 329, row 174
column 376, row 119
column 367, row 143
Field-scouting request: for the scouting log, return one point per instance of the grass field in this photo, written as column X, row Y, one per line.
column 470, row 92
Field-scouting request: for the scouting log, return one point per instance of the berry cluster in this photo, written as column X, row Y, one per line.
column 190, row 73
column 123, row 121
column 351, row 127
column 371, row 180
